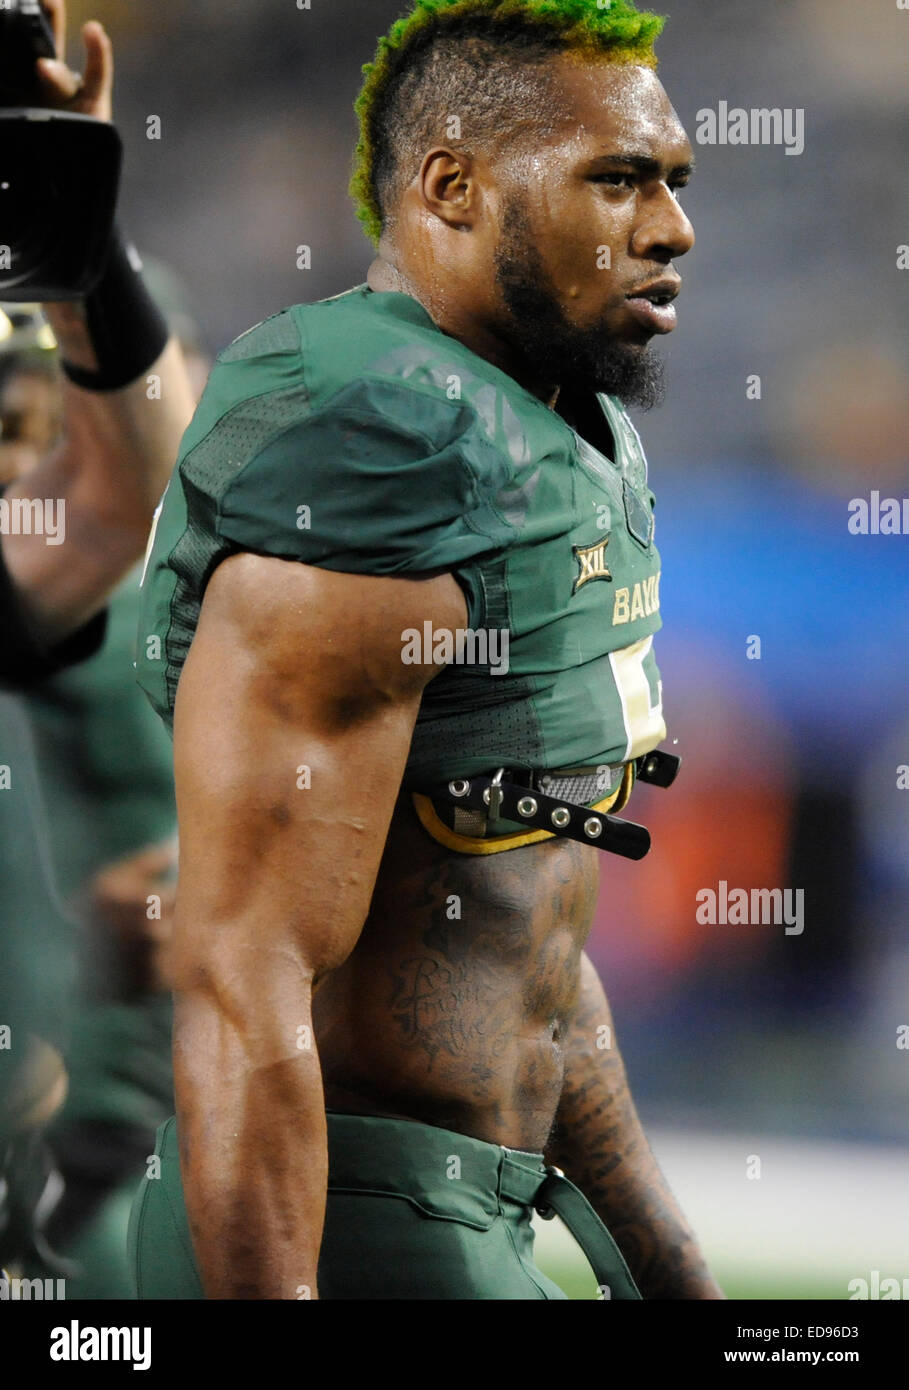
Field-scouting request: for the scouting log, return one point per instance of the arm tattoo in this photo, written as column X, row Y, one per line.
column 598, row 1140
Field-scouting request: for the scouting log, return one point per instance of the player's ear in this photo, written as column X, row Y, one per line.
column 448, row 186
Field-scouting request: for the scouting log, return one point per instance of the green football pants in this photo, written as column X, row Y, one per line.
column 413, row 1212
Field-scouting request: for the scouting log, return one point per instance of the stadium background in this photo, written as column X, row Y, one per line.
column 741, row 1042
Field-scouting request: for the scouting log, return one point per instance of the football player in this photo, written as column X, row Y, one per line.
column 400, row 608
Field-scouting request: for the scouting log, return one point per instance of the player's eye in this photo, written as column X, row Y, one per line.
column 615, row 179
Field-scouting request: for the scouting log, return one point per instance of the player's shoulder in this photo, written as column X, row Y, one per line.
column 334, row 342
column 363, row 384
column 345, row 433
column 376, row 358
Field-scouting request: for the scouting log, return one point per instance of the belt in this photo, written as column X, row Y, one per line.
column 404, row 1158
column 553, row 1195
column 552, row 802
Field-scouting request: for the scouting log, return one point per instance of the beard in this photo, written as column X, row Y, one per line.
column 555, row 350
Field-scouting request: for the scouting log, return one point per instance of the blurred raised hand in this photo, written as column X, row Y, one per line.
column 90, row 94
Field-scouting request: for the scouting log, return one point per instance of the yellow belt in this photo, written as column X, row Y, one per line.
column 471, row 844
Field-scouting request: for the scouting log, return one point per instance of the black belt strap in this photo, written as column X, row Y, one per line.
column 505, row 800
column 499, row 799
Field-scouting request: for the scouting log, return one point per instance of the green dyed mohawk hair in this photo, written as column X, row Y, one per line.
column 604, row 29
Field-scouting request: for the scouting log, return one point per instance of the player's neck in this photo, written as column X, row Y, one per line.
column 458, row 323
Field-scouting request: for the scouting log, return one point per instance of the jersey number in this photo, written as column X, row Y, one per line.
column 641, row 694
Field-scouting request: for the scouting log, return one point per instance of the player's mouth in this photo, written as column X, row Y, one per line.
column 652, row 306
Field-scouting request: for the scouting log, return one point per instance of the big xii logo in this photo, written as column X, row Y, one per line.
column 592, row 559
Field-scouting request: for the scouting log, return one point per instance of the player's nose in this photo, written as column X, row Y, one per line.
column 664, row 231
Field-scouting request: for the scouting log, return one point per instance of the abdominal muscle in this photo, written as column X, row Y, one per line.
column 452, row 1008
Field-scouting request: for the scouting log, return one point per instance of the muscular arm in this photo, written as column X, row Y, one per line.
column 291, row 667
column 599, row 1143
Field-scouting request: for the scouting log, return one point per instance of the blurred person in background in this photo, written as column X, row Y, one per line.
column 105, row 769
column 101, row 482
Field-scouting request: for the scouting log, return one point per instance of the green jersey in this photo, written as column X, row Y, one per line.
column 355, row 435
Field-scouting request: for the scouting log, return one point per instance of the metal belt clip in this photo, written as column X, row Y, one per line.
column 493, row 795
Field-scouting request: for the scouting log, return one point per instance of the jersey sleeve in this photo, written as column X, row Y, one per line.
column 382, row 480
column 298, row 455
